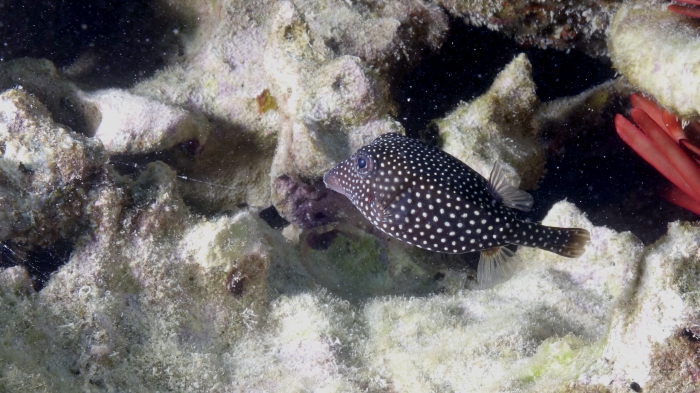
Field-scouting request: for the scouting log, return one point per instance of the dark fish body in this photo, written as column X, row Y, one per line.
column 427, row 198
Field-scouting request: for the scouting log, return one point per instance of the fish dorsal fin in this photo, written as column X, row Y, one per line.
column 507, row 194
column 496, row 265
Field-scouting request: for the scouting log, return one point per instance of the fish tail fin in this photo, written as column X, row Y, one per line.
column 496, row 265
column 575, row 242
column 567, row 242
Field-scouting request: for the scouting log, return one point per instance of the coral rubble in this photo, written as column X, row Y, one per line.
column 171, row 280
column 47, row 172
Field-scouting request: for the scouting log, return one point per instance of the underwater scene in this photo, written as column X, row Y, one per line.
column 391, row 196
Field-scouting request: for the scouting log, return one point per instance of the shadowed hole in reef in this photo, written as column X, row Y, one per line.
column 689, row 335
column 321, row 241
column 103, row 43
column 132, row 165
column 602, row 176
column 272, row 217
column 467, row 64
column 236, row 283
column 597, row 171
column 40, row 262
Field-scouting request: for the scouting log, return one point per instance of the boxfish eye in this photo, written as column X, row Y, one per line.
column 364, row 164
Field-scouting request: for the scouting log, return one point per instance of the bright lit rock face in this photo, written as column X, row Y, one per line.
column 658, row 51
column 548, row 23
column 47, row 171
column 659, row 325
column 173, row 282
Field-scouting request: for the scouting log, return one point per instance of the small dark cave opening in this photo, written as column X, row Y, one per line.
column 606, row 179
column 40, row 262
column 467, row 64
column 98, row 43
column 273, row 218
column 597, row 171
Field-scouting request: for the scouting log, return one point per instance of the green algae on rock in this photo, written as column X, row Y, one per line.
column 358, row 265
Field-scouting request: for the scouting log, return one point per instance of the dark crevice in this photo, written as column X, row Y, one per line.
column 467, row 64
column 236, row 283
column 321, row 241
column 603, row 177
column 272, row 217
column 560, row 74
column 132, row 165
column 40, row 262
column 586, row 164
column 689, row 335
column 464, row 68
column 107, row 43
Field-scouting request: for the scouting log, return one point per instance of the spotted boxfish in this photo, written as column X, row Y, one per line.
column 427, row 198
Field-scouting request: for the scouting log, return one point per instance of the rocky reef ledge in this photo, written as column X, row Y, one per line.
column 176, row 236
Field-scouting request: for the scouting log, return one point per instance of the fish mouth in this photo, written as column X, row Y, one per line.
column 330, row 179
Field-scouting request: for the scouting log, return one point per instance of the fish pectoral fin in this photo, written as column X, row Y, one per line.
column 378, row 211
column 496, row 266
column 506, row 193
column 392, row 208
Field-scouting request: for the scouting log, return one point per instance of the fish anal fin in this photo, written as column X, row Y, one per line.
column 496, row 265
column 506, row 193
